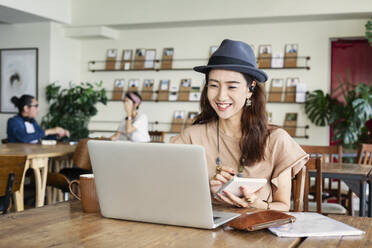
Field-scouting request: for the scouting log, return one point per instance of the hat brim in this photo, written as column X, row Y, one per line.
column 258, row 74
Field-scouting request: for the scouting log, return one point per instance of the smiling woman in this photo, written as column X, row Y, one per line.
column 234, row 130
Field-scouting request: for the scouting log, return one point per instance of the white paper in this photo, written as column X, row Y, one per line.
column 149, row 59
column 314, row 225
column 301, row 92
column 127, row 55
column 277, row 60
column 126, row 66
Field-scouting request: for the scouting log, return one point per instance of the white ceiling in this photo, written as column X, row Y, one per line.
column 8, row 15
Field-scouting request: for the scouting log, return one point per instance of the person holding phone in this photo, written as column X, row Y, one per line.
column 23, row 128
column 134, row 127
column 233, row 128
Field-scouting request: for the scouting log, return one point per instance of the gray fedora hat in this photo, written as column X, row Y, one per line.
column 236, row 56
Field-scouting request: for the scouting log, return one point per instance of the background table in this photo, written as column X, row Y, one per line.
column 356, row 176
column 37, row 159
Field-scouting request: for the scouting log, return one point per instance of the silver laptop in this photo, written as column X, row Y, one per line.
column 157, row 183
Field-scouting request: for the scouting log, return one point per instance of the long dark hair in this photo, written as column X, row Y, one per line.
column 21, row 102
column 254, row 122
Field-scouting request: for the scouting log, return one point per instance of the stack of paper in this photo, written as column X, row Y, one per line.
column 314, row 225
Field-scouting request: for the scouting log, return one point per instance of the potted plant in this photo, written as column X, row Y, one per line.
column 347, row 117
column 73, row 107
column 369, row 31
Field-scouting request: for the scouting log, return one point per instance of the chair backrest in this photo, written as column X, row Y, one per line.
column 8, row 165
column 11, row 173
column 314, row 164
column 298, row 188
column 81, row 155
column 325, row 152
column 365, row 154
column 157, row 136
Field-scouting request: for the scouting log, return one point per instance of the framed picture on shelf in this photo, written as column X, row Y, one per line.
column 291, row 48
column 133, row 84
column 18, row 75
column 111, row 59
column 118, row 89
column 290, row 89
column 178, row 121
column 173, row 93
column 290, row 123
column 190, row 118
column 167, row 58
column 147, row 89
column 195, row 94
column 184, row 91
column 264, row 56
column 139, row 59
column 126, row 60
column 290, row 58
column 163, row 90
column 150, row 56
column 276, row 90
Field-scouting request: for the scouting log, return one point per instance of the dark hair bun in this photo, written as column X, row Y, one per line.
column 15, row 100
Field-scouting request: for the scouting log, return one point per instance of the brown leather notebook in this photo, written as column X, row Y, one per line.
column 261, row 220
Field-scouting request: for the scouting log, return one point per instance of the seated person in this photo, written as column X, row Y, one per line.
column 134, row 127
column 236, row 135
column 23, row 128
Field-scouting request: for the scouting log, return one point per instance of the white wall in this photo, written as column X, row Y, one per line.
column 117, row 12
column 194, row 42
column 57, row 10
column 28, row 35
column 59, row 57
column 65, row 57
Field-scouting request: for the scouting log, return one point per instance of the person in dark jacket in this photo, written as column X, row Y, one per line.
column 23, row 128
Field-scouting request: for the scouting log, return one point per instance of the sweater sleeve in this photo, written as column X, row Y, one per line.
column 16, row 132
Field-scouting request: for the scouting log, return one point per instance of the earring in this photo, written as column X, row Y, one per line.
column 248, row 102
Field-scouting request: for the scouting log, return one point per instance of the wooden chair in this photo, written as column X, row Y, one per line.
column 11, row 173
column 365, row 154
column 62, row 178
column 329, row 152
column 298, row 189
column 318, row 205
column 157, row 136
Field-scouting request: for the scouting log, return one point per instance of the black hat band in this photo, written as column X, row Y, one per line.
column 222, row 60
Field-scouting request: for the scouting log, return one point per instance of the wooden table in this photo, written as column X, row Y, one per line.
column 65, row 225
column 362, row 223
column 356, row 176
column 37, row 159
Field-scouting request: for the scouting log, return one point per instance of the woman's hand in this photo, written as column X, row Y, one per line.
column 220, row 178
column 249, row 200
